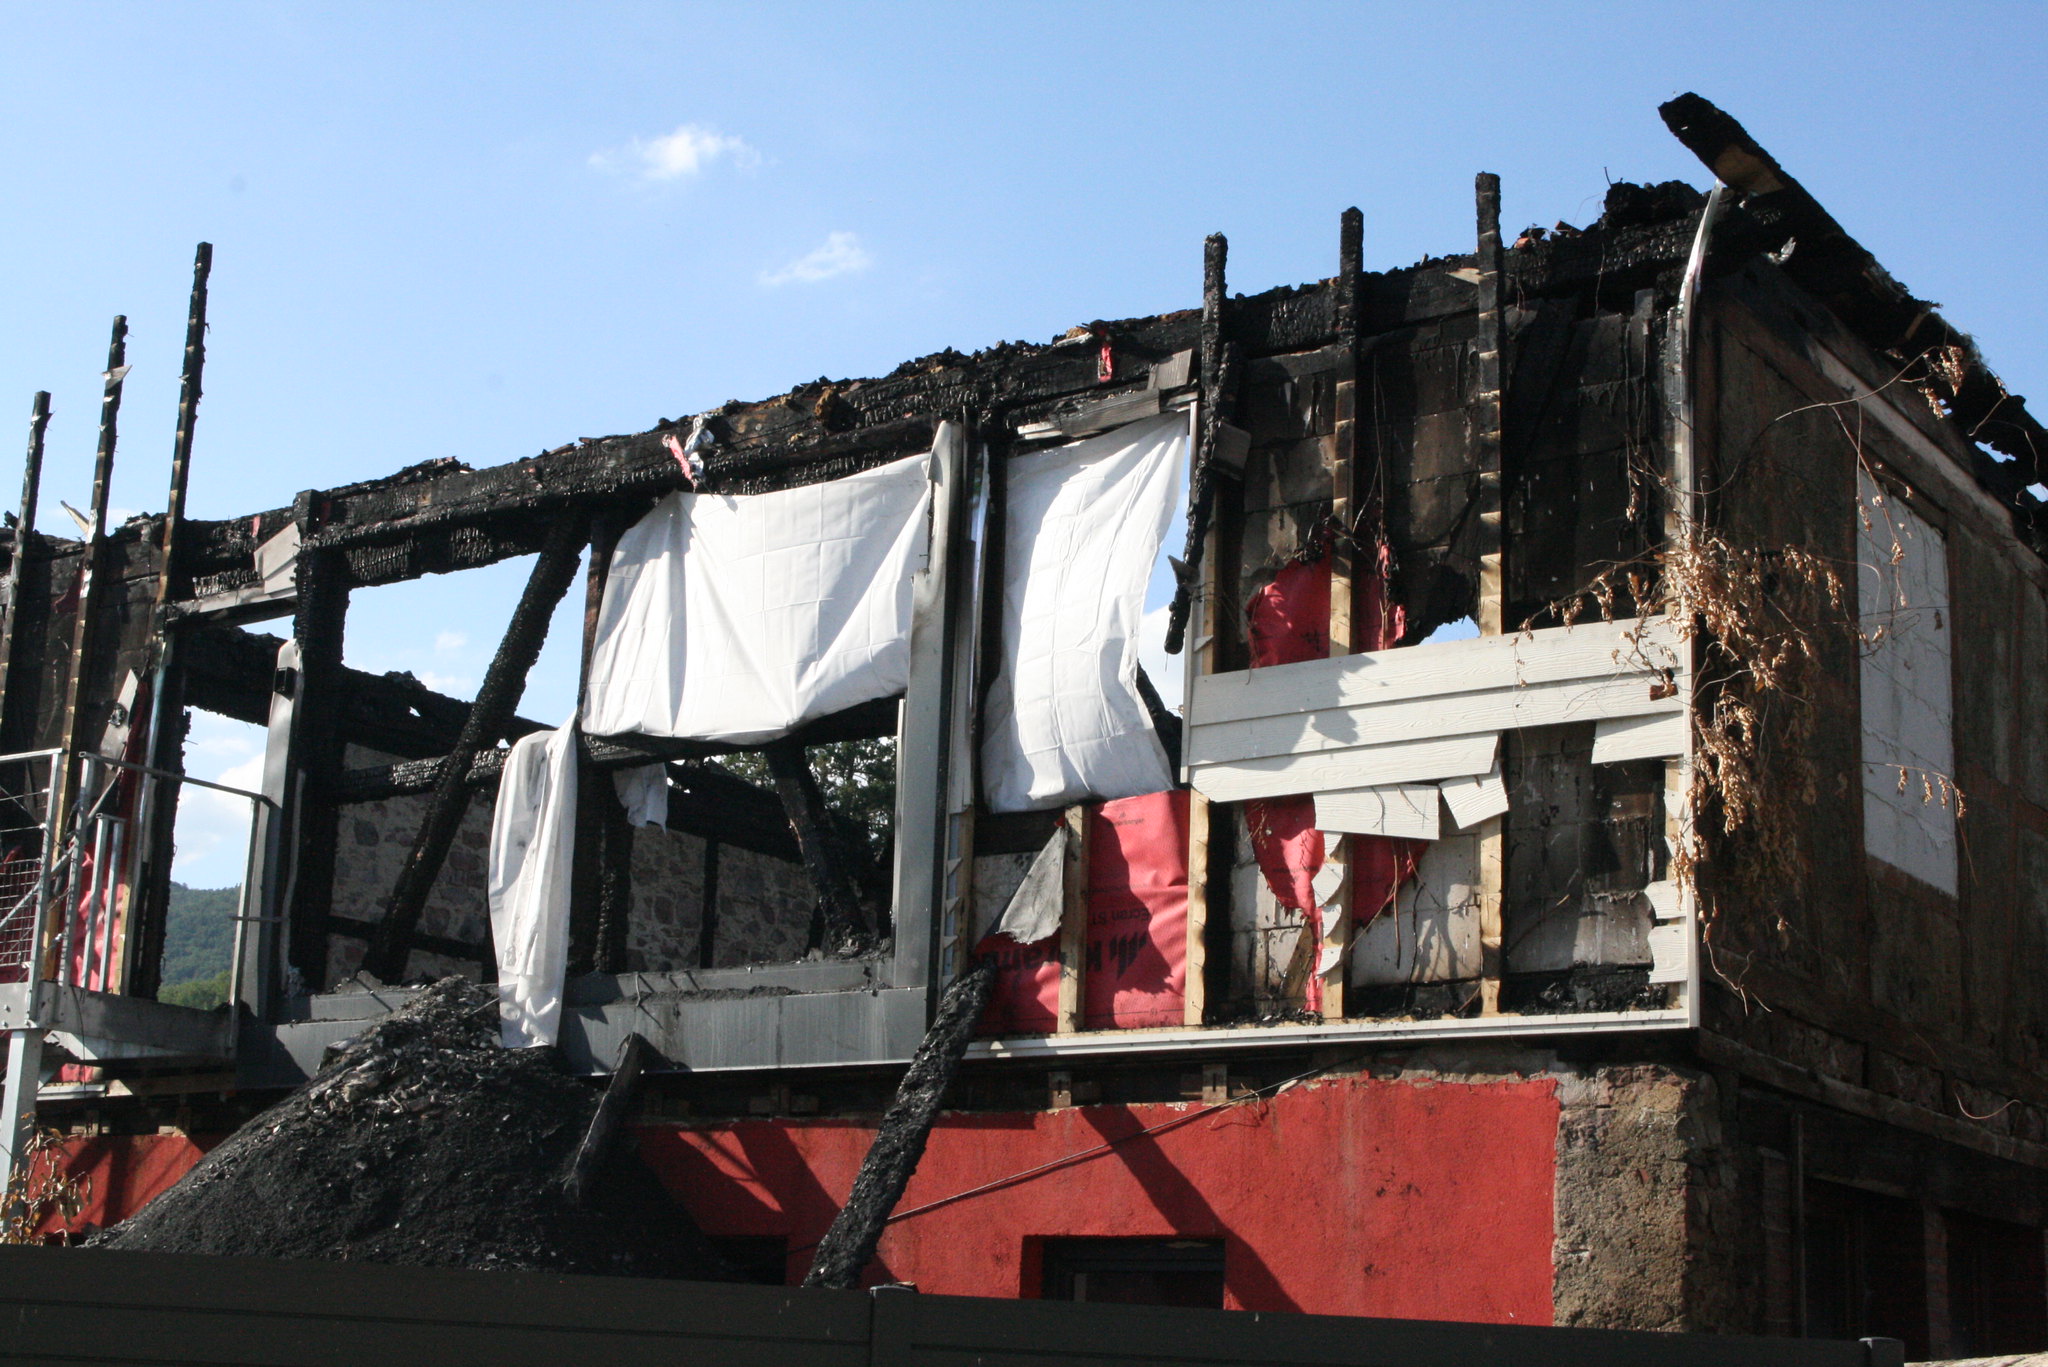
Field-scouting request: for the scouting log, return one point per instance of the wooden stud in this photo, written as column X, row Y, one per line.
column 24, row 537
column 1491, row 614
column 1346, row 516
column 1201, row 660
column 1073, row 920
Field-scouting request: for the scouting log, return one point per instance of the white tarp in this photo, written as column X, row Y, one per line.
column 1084, row 527
column 643, row 792
column 740, row 617
column 533, row 848
column 1034, row 910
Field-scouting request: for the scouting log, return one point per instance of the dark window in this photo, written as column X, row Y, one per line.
column 1997, row 1294
column 1866, row 1267
column 762, row 1258
column 1185, row 1272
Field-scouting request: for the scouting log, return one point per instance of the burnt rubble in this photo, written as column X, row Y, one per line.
column 422, row 1142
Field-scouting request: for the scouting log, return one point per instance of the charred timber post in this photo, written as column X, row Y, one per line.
column 612, row 840
column 24, row 536
column 849, row 1246
column 846, row 923
column 1216, row 362
column 157, row 807
column 488, row 717
column 1347, row 548
column 607, row 1124
column 1486, row 461
column 319, row 625
column 65, row 781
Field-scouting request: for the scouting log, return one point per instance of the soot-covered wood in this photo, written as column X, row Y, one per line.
column 849, row 1246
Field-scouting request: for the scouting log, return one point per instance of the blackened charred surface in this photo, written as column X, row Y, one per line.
column 503, row 682
column 1836, row 269
column 849, row 1246
column 318, row 627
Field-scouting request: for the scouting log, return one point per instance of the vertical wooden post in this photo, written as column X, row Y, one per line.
column 24, row 536
column 602, row 909
column 311, row 754
column 1073, row 920
column 156, row 807
column 1201, row 653
column 66, row 778
column 1492, row 607
column 1346, row 517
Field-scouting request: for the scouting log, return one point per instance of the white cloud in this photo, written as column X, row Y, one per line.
column 212, row 840
column 673, row 156
column 448, row 642
column 842, row 254
column 454, row 685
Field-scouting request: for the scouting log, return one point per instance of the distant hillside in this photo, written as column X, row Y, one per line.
column 199, row 943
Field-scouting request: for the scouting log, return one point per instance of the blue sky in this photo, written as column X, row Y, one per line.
column 482, row 231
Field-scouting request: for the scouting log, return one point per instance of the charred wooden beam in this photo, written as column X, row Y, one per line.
column 317, row 747
column 847, row 926
column 608, row 1124
column 1828, row 263
column 604, row 839
column 64, row 784
column 502, row 685
column 351, row 929
column 849, row 1246
column 24, row 538
column 1219, row 389
column 867, row 721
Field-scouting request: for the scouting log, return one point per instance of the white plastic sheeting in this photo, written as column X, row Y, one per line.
column 1084, row 526
column 643, row 792
column 739, row 618
column 533, row 848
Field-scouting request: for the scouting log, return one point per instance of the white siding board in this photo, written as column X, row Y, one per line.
column 1339, row 728
column 1475, row 798
column 1556, row 654
column 1654, row 737
column 1404, row 809
column 1368, row 766
column 1668, row 946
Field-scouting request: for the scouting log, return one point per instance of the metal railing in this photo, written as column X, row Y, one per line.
column 87, row 884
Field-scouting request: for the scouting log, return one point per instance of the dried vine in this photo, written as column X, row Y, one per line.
column 40, row 1187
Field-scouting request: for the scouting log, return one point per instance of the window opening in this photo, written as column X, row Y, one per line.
column 1179, row 1272
column 210, row 856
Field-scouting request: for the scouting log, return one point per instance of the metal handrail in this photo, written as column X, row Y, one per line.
column 58, row 867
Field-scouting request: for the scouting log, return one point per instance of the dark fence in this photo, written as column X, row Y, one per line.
column 87, row 1306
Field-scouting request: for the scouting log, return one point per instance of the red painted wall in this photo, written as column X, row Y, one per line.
column 1347, row 1197
column 121, row 1174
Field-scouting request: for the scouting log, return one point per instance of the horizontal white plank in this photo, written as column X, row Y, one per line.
column 1475, row 797
column 1364, row 767
column 1668, row 946
column 1590, row 650
column 1457, row 714
column 1408, row 810
column 1655, row 737
column 1664, row 902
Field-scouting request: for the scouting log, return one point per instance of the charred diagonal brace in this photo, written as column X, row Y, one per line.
column 1219, row 385
column 607, row 1125
column 487, row 719
column 849, row 1245
column 825, row 855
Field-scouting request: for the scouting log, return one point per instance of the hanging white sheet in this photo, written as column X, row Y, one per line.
column 533, row 848
column 740, row 617
column 1084, row 527
column 643, row 792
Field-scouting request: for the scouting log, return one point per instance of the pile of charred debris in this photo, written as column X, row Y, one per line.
column 423, row 1142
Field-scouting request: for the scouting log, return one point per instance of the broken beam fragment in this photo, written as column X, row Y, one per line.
column 849, row 1245
column 487, row 720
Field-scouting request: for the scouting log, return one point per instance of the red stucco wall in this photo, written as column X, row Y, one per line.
column 1351, row 1197
column 120, row 1174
